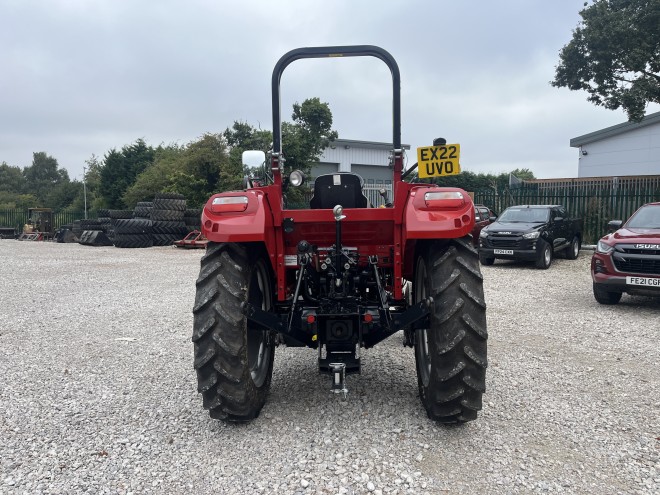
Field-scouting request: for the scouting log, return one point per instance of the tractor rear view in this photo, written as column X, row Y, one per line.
column 340, row 277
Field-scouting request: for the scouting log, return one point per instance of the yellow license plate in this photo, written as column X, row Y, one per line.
column 436, row 161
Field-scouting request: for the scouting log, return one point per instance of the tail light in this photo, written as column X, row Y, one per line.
column 444, row 199
column 225, row 204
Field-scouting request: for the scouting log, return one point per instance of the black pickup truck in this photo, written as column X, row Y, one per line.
column 531, row 233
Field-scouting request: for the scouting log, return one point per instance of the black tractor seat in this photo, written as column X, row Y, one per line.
column 342, row 188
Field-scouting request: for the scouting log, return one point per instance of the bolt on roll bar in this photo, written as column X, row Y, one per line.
column 336, row 52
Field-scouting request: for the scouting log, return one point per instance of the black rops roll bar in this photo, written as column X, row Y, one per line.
column 332, row 52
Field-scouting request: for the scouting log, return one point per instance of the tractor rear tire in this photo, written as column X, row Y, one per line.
column 233, row 359
column 450, row 354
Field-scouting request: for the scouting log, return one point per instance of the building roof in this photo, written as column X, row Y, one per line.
column 615, row 130
column 349, row 143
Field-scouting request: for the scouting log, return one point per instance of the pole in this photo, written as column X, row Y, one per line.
column 85, row 190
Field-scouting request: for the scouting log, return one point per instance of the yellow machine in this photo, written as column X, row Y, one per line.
column 39, row 226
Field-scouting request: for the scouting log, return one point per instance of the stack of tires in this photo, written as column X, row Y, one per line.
column 133, row 233
column 90, row 224
column 76, row 229
column 90, row 229
column 168, row 218
column 143, row 209
column 192, row 219
column 105, row 220
column 116, row 215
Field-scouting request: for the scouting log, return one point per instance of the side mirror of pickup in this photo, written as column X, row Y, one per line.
column 613, row 225
column 558, row 219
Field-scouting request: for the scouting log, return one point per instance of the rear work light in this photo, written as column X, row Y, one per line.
column 226, row 204
column 444, row 199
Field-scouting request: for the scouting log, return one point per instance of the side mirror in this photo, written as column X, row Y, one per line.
column 558, row 219
column 253, row 158
column 492, row 218
column 613, row 225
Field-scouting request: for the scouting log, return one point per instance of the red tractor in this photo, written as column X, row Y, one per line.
column 341, row 276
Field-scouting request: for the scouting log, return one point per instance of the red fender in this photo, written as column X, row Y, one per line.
column 438, row 213
column 246, row 217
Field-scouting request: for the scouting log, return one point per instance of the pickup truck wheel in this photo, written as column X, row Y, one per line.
column 606, row 297
column 573, row 250
column 545, row 257
column 485, row 260
column 234, row 362
column 450, row 354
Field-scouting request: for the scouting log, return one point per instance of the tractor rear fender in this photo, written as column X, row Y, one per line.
column 435, row 213
column 239, row 216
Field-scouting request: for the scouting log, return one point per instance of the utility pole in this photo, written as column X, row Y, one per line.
column 85, row 189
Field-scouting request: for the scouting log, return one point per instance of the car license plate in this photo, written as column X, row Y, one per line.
column 645, row 281
column 436, row 161
column 503, row 251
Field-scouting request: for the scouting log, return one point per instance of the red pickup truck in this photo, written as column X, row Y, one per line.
column 628, row 260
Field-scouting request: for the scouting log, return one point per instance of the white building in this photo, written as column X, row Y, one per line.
column 368, row 159
column 624, row 149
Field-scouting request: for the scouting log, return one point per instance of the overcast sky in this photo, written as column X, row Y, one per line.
column 80, row 77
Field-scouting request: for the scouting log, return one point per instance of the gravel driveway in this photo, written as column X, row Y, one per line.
column 98, row 393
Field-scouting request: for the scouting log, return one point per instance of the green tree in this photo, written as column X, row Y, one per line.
column 614, row 55
column 17, row 201
column 121, row 168
column 65, row 195
column 304, row 140
column 11, row 179
column 207, row 160
column 154, row 178
column 242, row 137
column 478, row 182
column 197, row 170
column 93, row 167
column 43, row 176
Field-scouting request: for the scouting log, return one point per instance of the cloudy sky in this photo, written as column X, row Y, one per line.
column 80, row 77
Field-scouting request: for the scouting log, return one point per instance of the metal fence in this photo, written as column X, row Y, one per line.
column 14, row 218
column 596, row 200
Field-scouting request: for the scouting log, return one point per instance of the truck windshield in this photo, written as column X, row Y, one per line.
column 529, row 215
column 647, row 217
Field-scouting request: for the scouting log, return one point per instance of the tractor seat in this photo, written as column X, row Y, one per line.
column 343, row 188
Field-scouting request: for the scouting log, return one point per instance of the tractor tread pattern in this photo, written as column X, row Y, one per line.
column 132, row 240
column 457, row 334
column 219, row 335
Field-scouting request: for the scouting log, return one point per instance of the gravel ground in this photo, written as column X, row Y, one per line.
column 98, row 392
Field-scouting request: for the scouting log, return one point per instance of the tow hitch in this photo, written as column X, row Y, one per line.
column 338, row 371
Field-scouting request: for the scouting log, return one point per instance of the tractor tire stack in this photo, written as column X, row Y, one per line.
column 94, row 238
column 93, row 224
column 167, row 217
column 114, row 216
column 105, row 220
column 143, row 209
column 133, row 233
column 89, row 236
column 76, row 229
column 192, row 219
